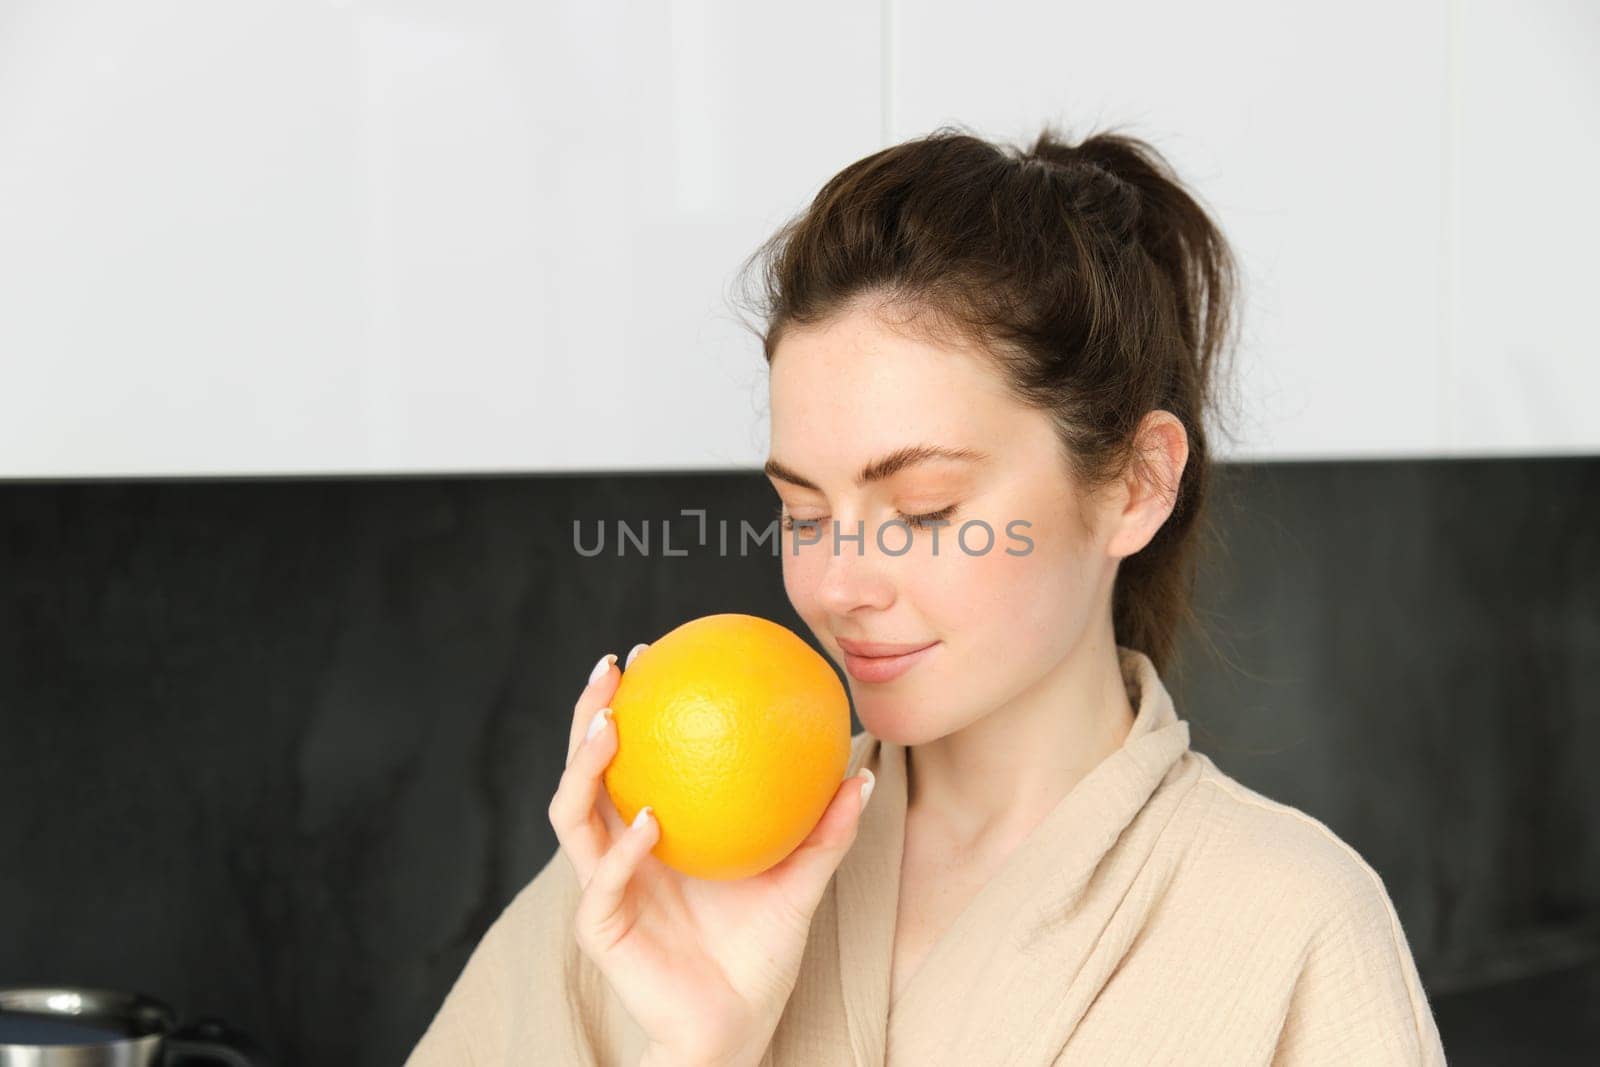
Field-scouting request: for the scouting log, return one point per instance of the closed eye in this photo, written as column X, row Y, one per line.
column 922, row 522
column 917, row 522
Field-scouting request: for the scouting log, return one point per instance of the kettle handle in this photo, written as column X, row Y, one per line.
column 209, row 1042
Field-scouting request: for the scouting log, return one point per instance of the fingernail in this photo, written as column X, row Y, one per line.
column 600, row 668
column 866, row 790
column 596, row 724
column 636, row 650
column 644, row 814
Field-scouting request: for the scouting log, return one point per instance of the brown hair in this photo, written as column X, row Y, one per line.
column 1098, row 284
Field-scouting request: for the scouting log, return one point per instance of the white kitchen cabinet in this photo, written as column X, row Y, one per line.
column 1524, row 227
column 381, row 236
column 373, row 236
column 1314, row 134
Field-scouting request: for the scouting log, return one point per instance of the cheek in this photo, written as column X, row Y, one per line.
column 801, row 573
column 996, row 606
column 1021, row 607
column 995, row 593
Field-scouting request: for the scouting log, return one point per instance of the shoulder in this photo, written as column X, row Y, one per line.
column 1289, row 854
column 1270, row 872
column 1279, row 838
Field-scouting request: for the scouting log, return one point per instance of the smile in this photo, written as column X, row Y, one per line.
column 884, row 668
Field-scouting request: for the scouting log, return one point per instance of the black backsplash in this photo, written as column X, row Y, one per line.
column 279, row 750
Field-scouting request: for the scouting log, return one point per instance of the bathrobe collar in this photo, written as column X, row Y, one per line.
column 1003, row 984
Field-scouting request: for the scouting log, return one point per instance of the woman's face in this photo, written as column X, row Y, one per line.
column 999, row 610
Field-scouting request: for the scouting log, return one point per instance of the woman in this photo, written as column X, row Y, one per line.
column 989, row 372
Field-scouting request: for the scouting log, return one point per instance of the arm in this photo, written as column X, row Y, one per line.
column 523, row 986
column 1358, row 998
column 472, row 1015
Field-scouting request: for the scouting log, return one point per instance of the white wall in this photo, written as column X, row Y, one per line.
column 373, row 236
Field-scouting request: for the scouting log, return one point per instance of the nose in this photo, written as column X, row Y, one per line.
column 854, row 574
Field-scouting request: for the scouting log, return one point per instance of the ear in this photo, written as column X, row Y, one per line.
column 1161, row 451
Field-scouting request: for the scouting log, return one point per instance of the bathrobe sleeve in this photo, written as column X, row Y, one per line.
column 1357, row 997
column 464, row 1028
column 527, row 994
column 472, row 1025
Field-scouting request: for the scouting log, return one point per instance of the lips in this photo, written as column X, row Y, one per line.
column 876, row 649
column 882, row 668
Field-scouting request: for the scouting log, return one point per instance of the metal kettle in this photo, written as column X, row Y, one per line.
column 76, row 1026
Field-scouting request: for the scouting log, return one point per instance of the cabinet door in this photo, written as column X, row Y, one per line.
column 1314, row 134
column 403, row 237
column 1524, row 227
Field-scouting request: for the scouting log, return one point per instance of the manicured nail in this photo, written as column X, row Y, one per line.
column 596, row 724
column 636, row 650
column 600, row 668
column 644, row 814
column 866, row 790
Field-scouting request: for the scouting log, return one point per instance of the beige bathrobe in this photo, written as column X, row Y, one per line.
column 1162, row 913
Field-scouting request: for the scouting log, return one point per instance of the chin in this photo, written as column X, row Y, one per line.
column 901, row 720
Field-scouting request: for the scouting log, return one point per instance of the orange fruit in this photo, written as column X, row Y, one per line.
column 737, row 734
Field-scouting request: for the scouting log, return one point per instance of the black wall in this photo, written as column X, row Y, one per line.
column 279, row 750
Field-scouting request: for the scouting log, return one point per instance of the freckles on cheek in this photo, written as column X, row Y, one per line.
column 800, row 576
column 1016, row 593
column 997, row 584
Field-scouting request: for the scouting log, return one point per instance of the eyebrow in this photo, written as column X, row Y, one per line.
column 883, row 467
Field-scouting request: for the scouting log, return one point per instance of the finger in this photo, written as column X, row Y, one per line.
column 576, row 814
column 596, row 694
column 608, row 810
column 604, row 913
column 805, row 871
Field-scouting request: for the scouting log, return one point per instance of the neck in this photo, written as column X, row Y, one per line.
column 995, row 779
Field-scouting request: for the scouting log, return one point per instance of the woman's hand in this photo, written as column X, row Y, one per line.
column 704, row 967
